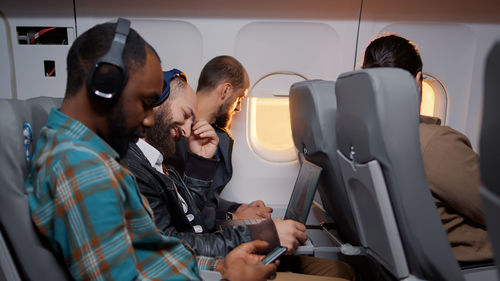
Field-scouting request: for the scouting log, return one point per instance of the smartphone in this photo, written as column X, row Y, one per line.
column 273, row 255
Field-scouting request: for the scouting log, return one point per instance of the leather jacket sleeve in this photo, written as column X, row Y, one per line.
column 220, row 243
column 186, row 163
column 198, row 177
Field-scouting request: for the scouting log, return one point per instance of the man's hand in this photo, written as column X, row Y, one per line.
column 291, row 233
column 255, row 210
column 203, row 140
column 242, row 264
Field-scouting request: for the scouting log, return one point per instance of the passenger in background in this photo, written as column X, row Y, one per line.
column 451, row 166
column 222, row 86
column 81, row 198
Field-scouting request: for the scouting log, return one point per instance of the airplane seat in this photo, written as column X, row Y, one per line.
column 382, row 167
column 24, row 255
column 490, row 150
column 312, row 116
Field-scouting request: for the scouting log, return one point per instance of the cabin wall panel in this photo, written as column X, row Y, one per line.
column 486, row 35
column 447, row 51
column 310, row 48
column 6, row 65
column 454, row 52
column 453, row 39
column 30, row 80
column 178, row 43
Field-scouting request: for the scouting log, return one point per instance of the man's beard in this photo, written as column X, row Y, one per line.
column 159, row 135
column 119, row 134
column 223, row 117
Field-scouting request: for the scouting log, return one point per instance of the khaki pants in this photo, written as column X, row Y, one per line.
column 297, row 267
column 290, row 276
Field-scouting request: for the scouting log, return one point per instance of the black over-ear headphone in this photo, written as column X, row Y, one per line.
column 108, row 75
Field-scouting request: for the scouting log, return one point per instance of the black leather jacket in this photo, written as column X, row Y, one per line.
column 171, row 220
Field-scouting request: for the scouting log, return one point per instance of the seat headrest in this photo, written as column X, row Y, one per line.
column 16, row 118
column 490, row 132
column 312, row 109
column 368, row 102
column 378, row 119
column 35, row 260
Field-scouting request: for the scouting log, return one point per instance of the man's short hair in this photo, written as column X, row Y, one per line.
column 219, row 70
column 393, row 51
column 93, row 44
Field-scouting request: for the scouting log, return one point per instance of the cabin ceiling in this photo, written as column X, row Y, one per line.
column 377, row 10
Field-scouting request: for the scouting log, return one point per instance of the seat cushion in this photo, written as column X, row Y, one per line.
column 35, row 260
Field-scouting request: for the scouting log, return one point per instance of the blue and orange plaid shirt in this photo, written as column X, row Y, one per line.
column 87, row 205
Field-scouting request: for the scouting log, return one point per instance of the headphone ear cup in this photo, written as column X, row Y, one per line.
column 107, row 78
column 108, row 75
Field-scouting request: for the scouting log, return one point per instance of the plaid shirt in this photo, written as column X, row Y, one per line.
column 89, row 208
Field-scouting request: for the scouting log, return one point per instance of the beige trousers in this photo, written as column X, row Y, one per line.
column 311, row 268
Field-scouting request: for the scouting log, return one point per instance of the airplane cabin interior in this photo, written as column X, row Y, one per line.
column 309, row 100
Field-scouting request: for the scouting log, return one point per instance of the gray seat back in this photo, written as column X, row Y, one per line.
column 378, row 139
column 490, row 149
column 313, row 110
column 28, row 254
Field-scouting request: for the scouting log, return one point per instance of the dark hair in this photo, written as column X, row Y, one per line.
column 93, row 44
column 393, row 51
column 221, row 69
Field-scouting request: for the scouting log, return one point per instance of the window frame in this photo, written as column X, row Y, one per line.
column 260, row 149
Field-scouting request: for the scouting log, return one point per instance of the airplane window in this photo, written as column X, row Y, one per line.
column 428, row 96
column 434, row 98
column 269, row 131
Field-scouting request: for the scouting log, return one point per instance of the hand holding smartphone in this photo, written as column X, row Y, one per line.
column 273, row 255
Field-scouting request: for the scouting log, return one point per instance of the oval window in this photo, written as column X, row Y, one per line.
column 269, row 131
column 434, row 98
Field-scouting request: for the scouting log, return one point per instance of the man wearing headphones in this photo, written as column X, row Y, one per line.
column 81, row 198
